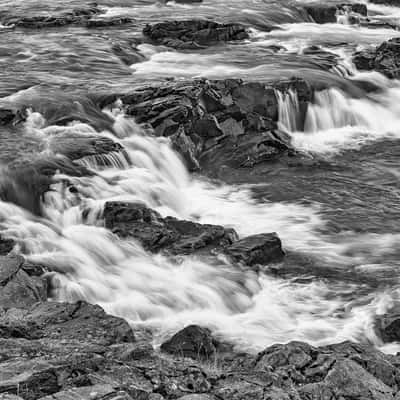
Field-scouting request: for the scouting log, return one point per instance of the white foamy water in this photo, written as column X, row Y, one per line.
column 252, row 309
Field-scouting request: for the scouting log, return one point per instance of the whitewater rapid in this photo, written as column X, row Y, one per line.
column 251, row 309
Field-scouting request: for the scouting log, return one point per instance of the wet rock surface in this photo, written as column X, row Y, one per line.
column 220, row 125
column 176, row 236
column 192, row 34
column 157, row 233
column 384, row 58
column 325, row 13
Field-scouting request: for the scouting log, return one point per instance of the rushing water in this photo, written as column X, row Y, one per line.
column 338, row 220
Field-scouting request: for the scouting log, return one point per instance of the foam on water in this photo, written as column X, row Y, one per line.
column 252, row 309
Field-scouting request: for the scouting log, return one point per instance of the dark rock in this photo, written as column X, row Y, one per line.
column 77, row 147
column 157, row 233
column 62, row 321
column 388, row 327
column 394, row 3
column 17, row 288
column 257, row 249
column 384, row 58
column 6, row 116
column 185, row 1
column 25, row 181
column 193, row 341
column 76, row 16
column 6, row 245
column 222, row 125
column 105, row 22
column 191, row 34
column 325, row 13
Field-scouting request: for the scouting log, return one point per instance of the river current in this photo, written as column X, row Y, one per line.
column 338, row 219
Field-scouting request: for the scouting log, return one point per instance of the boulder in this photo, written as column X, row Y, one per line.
column 388, row 327
column 170, row 234
column 326, row 13
column 17, row 288
column 64, row 321
column 218, row 126
column 192, row 34
column 105, row 22
column 193, row 341
column 6, row 245
column 385, row 58
column 264, row 248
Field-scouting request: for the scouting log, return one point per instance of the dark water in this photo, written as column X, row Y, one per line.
column 337, row 215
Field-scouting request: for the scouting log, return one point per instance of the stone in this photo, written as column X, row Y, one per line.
column 170, row 234
column 325, row 13
column 95, row 392
column 219, row 127
column 17, row 288
column 192, row 34
column 61, row 321
column 385, row 58
column 388, row 327
column 193, row 341
column 263, row 248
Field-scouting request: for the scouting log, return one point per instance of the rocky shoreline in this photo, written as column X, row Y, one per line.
column 226, row 129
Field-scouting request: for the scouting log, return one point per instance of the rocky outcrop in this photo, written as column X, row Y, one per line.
column 384, row 58
column 170, row 234
column 105, row 22
column 218, row 126
column 176, row 236
column 194, row 342
column 394, row 3
column 326, row 13
column 76, row 16
column 192, row 34
column 264, row 248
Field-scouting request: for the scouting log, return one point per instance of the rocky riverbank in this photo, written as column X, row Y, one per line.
column 227, row 130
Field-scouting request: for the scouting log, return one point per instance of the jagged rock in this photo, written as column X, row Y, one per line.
column 325, row 13
column 191, row 34
column 6, row 116
column 193, row 341
column 257, row 249
column 384, row 58
column 62, row 321
column 17, row 288
column 218, row 126
column 157, row 233
column 76, row 16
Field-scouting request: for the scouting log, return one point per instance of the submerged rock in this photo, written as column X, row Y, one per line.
column 384, row 58
column 192, row 34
